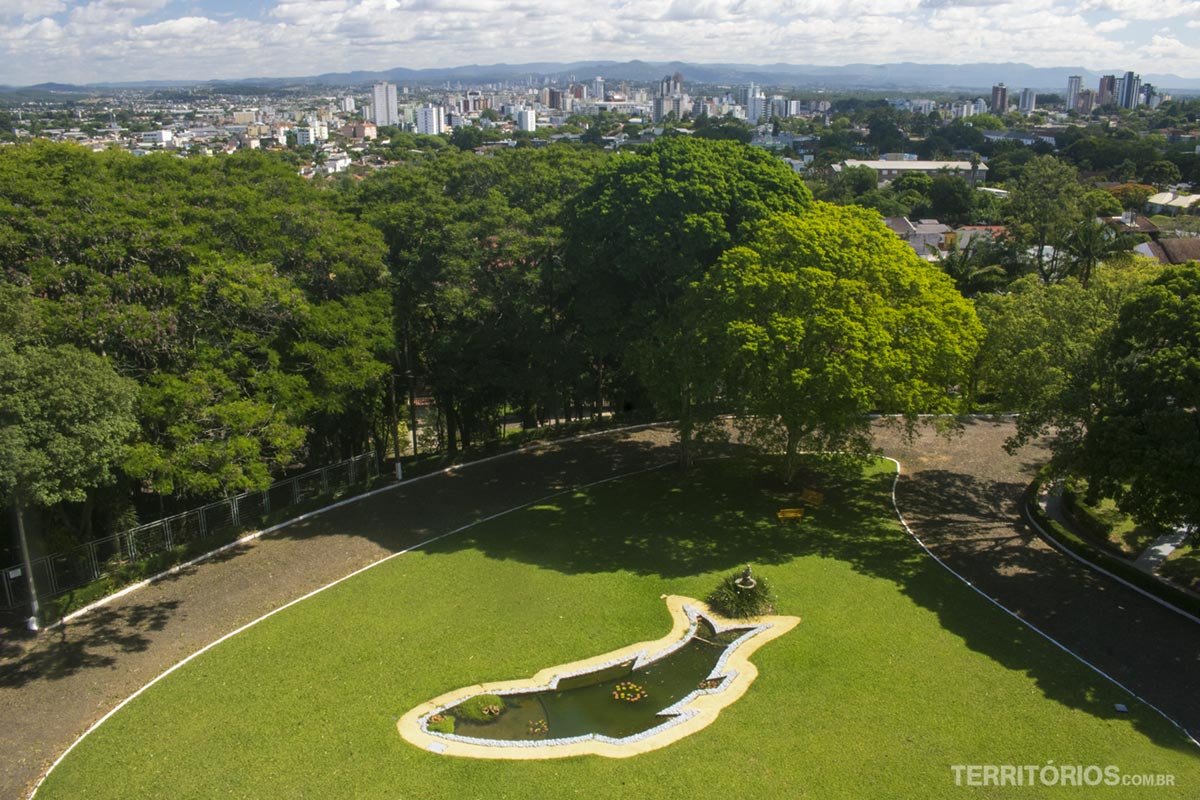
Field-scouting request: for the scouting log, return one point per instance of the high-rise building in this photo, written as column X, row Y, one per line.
column 348, row 104
column 1107, row 91
column 1085, row 102
column 1130, row 94
column 527, row 120
column 1148, row 96
column 671, row 99
column 383, row 104
column 598, row 88
column 558, row 99
column 671, row 84
column 999, row 99
column 1074, row 84
column 431, row 120
column 1028, row 101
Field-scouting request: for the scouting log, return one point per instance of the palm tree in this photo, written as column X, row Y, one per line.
column 969, row 266
column 1093, row 242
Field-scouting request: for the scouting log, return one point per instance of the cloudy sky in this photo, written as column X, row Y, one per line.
column 84, row 41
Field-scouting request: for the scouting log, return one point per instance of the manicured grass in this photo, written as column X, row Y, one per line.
column 897, row 672
column 1108, row 523
column 1183, row 566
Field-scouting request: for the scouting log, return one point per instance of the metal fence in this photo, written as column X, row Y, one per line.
column 61, row 572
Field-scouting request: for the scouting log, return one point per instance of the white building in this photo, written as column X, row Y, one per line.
column 1074, row 85
column 962, row 109
column 527, row 120
column 431, row 120
column 1028, row 101
column 383, row 104
column 160, row 138
column 348, row 104
column 307, row 135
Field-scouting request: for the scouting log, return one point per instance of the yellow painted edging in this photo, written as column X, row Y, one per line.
column 706, row 707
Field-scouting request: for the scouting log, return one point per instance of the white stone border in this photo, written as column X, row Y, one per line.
column 675, row 713
column 1022, row 620
column 697, row 710
column 133, row 587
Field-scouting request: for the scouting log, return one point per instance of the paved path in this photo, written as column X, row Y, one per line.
column 962, row 497
column 53, row 687
column 1160, row 549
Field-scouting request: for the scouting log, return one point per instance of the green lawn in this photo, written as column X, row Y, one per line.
column 1183, row 566
column 1107, row 522
column 897, row 671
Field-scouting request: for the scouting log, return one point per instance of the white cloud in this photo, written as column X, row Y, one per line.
column 1142, row 10
column 1111, row 25
column 98, row 40
column 29, row 10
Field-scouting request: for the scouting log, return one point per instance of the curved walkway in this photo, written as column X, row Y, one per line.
column 962, row 495
column 54, row 687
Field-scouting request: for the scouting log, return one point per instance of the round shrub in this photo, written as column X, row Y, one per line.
column 731, row 600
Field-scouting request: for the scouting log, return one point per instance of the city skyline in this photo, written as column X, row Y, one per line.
column 130, row 40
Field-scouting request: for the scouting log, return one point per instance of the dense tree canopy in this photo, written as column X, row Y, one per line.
column 210, row 323
column 476, row 258
column 1141, row 445
column 827, row 316
column 649, row 224
column 1041, row 345
column 208, row 281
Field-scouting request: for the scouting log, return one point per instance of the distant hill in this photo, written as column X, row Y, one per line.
column 907, row 76
column 899, row 77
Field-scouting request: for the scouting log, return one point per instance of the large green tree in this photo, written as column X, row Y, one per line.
column 64, row 423
column 1040, row 344
column 1141, row 442
column 648, row 225
column 1043, row 207
column 828, row 316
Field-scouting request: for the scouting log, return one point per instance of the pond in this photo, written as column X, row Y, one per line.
column 632, row 700
column 588, row 703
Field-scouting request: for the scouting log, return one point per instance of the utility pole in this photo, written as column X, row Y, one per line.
column 35, row 621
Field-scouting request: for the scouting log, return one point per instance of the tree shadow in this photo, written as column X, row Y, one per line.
column 414, row 512
column 395, row 520
column 720, row 517
column 95, row 641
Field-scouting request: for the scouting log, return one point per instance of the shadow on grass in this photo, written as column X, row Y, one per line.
column 395, row 519
column 723, row 515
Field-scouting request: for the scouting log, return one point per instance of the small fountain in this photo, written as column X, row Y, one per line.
column 746, row 582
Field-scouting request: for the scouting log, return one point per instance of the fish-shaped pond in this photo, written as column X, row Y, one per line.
column 630, row 696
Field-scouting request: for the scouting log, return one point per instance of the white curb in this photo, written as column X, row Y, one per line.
column 1022, row 620
column 317, row 591
column 133, row 587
